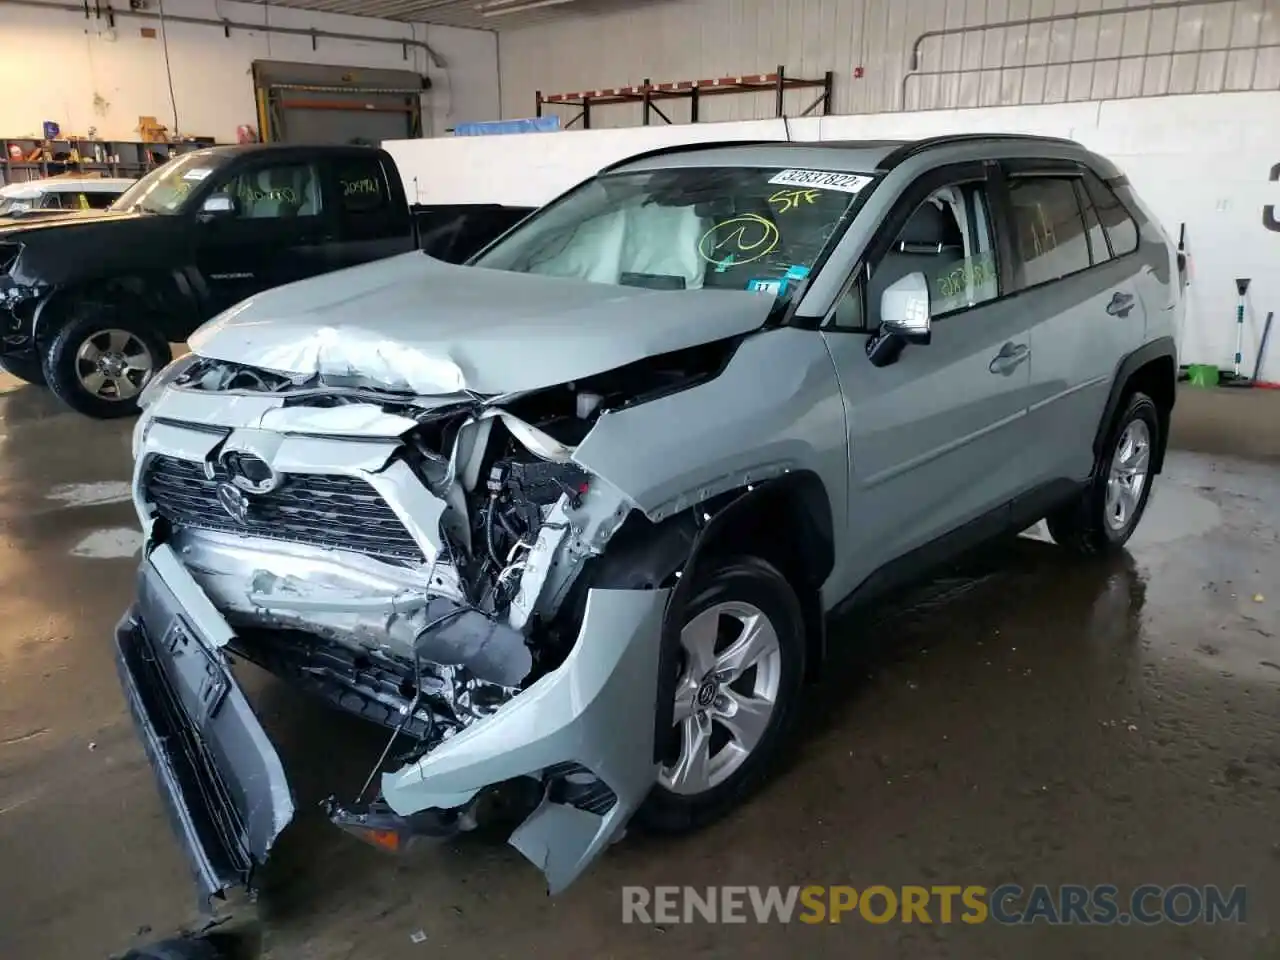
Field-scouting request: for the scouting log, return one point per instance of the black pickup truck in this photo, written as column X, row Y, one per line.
column 89, row 304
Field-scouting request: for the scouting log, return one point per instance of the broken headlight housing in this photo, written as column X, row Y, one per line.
column 165, row 378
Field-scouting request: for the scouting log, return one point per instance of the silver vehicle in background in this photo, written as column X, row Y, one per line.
column 58, row 196
column 569, row 520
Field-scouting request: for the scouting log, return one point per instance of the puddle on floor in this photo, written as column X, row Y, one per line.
column 114, row 544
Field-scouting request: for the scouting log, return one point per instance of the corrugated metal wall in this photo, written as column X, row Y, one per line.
column 915, row 54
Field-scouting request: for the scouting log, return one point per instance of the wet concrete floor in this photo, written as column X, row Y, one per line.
column 1034, row 720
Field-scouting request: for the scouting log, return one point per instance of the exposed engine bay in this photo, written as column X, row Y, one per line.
column 418, row 562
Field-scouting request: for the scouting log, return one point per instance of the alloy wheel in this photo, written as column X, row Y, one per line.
column 725, row 697
column 114, row 365
column 1127, row 477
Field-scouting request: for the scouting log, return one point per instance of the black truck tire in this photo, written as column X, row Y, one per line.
column 100, row 353
column 26, row 369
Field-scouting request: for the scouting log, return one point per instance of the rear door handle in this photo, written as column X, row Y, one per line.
column 1121, row 304
column 1009, row 357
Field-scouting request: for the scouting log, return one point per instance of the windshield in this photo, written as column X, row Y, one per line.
column 738, row 228
column 164, row 190
column 15, row 204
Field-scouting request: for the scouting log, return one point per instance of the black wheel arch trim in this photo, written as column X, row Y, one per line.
column 1162, row 347
column 700, row 528
column 167, row 294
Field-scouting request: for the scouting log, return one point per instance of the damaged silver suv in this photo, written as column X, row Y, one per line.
column 568, row 521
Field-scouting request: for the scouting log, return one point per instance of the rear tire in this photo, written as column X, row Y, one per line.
column 26, row 369
column 101, row 356
column 1109, row 508
column 743, row 653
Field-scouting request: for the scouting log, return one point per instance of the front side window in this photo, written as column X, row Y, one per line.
column 736, row 228
column 948, row 239
column 275, row 192
column 1048, row 233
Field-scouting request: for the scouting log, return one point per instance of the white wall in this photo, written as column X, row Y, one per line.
column 1204, row 160
column 701, row 39
column 58, row 65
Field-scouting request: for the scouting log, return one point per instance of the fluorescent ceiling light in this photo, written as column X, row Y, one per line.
column 499, row 11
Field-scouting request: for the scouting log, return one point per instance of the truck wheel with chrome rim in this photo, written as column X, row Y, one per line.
column 1112, row 504
column 742, row 651
column 102, row 353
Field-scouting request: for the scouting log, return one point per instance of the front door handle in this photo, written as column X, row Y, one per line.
column 1009, row 357
column 1120, row 305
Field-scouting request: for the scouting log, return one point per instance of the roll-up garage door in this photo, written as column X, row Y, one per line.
column 313, row 103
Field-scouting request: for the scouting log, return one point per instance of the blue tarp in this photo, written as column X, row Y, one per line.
column 527, row 125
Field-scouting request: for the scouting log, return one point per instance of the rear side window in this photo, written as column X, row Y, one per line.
column 1047, row 230
column 96, row 200
column 360, row 185
column 1099, row 249
column 1121, row 230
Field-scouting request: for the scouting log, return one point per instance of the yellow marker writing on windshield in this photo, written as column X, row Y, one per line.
column 738, row 241
column 793, row 198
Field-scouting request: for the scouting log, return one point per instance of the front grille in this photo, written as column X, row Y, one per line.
column 343, row 513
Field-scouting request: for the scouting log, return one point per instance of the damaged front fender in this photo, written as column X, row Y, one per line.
column 592, row 711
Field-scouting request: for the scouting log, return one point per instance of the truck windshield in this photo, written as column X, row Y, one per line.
column 164, row 190
column 739, row 228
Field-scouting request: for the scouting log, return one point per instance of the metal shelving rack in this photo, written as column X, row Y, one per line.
column 132, row 158
column 648, row 93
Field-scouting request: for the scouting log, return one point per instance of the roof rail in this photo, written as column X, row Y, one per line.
column 909, row 150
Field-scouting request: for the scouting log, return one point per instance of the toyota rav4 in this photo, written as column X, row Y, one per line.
column 568, row 521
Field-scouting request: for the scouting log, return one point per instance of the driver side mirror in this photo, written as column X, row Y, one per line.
column 904, row 318
column 218, row 206
column 904, row 308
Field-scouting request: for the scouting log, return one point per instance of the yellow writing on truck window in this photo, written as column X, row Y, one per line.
column 360, row 188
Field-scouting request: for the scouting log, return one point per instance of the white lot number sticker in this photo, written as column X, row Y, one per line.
column 822, row 180
column 199, row 173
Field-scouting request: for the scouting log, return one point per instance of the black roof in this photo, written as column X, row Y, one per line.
column 899, row 150
column 287, row 149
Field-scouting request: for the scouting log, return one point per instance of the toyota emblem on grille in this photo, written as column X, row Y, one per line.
column 250, row 473
column 234, row 502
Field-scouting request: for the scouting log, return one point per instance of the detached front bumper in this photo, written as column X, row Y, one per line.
column 219, row 776
column 588, row 721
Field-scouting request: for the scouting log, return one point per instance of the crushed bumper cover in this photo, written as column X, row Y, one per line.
column 226, row 790
column 219, row 776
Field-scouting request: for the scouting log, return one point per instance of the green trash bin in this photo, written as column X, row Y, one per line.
column 1202, row 375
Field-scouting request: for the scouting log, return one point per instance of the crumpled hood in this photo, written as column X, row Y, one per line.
column 414, row 323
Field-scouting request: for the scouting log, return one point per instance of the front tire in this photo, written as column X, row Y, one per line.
column 1111, row 505
column 742, row 653
column 101, row 356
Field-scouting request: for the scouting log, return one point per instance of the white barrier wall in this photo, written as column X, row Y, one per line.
column 1210, row 161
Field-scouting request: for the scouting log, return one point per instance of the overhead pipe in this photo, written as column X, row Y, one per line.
column 228, row 25
column 1037, row 21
